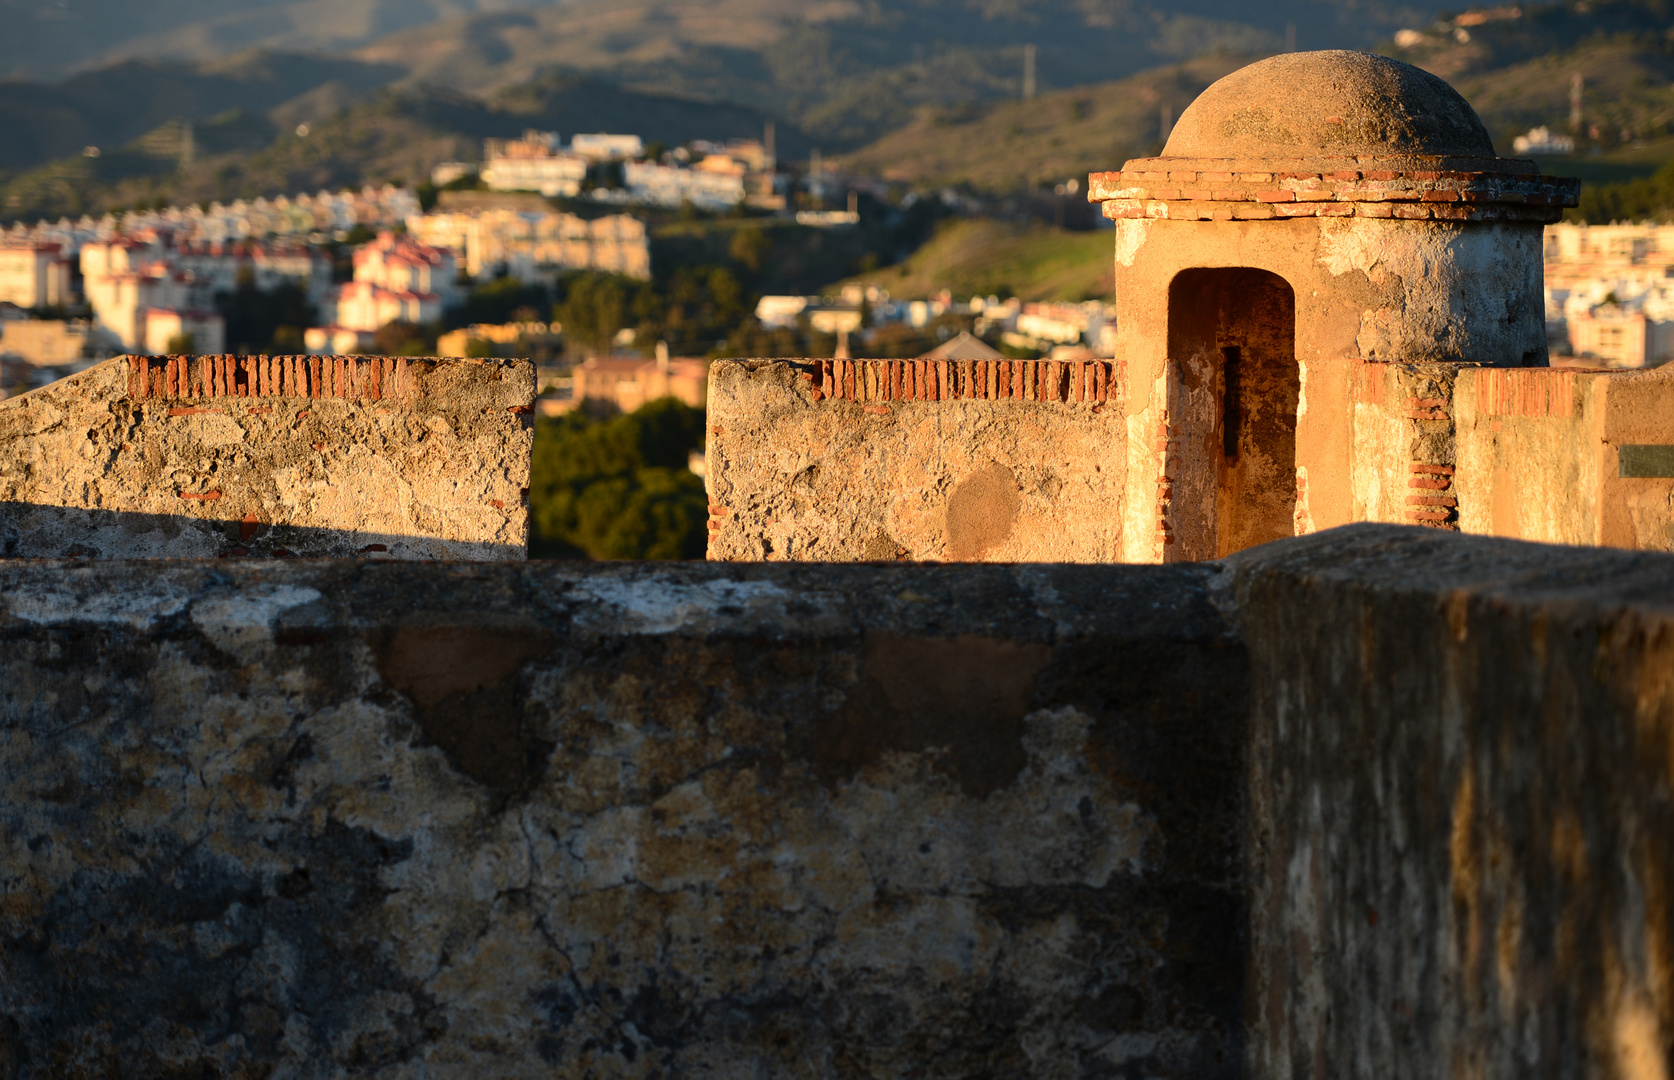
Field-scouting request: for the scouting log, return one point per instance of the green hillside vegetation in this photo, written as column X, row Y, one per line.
column 982, row 257
column 1515, row 72
column 618, row 488
column 115, row 105
column 1023, row 144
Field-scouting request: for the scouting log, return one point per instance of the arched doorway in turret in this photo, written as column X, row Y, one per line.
column 1236, row 387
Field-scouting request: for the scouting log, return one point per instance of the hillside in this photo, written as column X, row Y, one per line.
column 848, row 71
column 115, row 105
column 1063, row 134
column 1515, row 72
column 397, row 135
column 42, row 39
column 983, row 257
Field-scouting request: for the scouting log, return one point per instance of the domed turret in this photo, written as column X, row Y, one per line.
column 1329, row 104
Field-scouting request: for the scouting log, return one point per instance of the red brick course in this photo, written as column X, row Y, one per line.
column 189, row 377
column 1053, row 381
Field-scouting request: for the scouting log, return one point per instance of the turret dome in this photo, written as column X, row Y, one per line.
column 1334, row 103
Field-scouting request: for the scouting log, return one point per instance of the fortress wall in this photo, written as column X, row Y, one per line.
column 533, row 820
column 1532, row 454
column 1378, row 802
column 1460, row 839
column 1636, row 459
column 924, row 460
column 190, row 457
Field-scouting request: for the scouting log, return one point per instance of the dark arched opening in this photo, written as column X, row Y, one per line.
column 1232, row 336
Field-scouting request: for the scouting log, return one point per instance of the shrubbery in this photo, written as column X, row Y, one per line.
column 618, row 488
column 1649, row 199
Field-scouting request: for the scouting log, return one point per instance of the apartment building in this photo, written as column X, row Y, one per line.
column 131, row 282
column 533, row 245
column 396, row 279
column 34, row 274
column 535, row 162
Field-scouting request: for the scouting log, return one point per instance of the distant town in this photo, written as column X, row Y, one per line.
column 362, row 262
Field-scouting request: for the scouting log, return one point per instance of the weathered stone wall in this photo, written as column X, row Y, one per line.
column 532, row 820
column 972, row 461
column 1377, row 802
column 1461, row 831
column 187, row 457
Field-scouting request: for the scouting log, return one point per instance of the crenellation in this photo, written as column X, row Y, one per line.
column 230, row 456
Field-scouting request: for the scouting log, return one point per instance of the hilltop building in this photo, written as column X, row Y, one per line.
column 603, row 147
column 54, row 342
column 535, row 162
column 630, row 381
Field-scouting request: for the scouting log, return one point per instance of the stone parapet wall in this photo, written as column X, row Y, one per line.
column 1545, row 454
column 1379, row 802
column 338, row 817
column 190, row 457
column 843, row 461
column 1460, row 838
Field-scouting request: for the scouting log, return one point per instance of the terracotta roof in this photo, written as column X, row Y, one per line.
column 963, row 347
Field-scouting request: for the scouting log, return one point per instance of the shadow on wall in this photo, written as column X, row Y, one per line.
column 36, row 531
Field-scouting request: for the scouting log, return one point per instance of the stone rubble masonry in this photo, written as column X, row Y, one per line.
column 233, row 456
column 1533, row 453
column 1460, row 830
column 846, row 460
column 1228, row 190
column 548, row 819
column 1380, row 802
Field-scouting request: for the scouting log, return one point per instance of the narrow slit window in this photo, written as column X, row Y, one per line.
column 1231, row 416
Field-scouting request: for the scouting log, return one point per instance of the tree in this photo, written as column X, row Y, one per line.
column 265, row 321
column 618, row 488
column 594, row 308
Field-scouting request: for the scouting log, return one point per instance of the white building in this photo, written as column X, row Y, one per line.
column 169, row 331
column 533, row 163
column 1541, row 140
column 34, row 274
column 602, row 147
column 131, row 280
column 782, row 312
column 667, row 185
column 218, row 268
column 535, row 245
column 396, row 280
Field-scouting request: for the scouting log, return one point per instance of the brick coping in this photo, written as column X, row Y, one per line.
column 1206, row 190
column 1091, row 382
column 365, row 378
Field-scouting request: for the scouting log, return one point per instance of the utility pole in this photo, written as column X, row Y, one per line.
column 1029, row 72
column 1575, row 103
